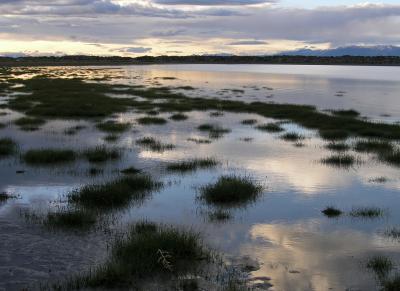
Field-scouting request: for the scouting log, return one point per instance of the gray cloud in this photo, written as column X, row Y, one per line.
column 136, row 50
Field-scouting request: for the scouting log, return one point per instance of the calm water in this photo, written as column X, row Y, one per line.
column 298, row 248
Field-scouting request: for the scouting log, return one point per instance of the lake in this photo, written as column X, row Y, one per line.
column 284, row 230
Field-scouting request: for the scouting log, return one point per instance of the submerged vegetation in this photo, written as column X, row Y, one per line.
column 367, row 212
column 332, row 212
column 113, row 127
column 292, row 136
column 101, row 154
column 151, row 120
column 231, row 190
column 49, row 156
column 214, row 130
column 29, row 123
column 270, row 127
column 341, row 160
column 70, row 219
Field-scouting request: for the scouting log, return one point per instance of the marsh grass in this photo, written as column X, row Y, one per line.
column 219, row 215
column 393, row 232
column 214, row 131
column 292, row 136
column 114, row 194
column 334, row 134
column 4, row 196
column 111, row 138
column 337, row 146
column 392, row 158
column 130, row 171
column 367, row 212
column 340, row 161
column 392, row 284
column 29, row 123
column 49, row 156
column 373, row 146
column 7, row 147
column 148, row 251
column 78, row 219
column 74, row 129
column 270, row 127
column 249, row 121
column 331, row 212
column 154, row 145
column 192, row 165
column 101, row 154
column 151, row 120
column 378, row 180
column 216, row 114
column 178, row 117
column 231, row 191
column 113, row 127
column 346, row 113
column 199, row 140
column 380, row 265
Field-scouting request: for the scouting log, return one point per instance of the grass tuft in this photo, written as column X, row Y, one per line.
column 114, row 194
column 148, row 250
column 341, row 160
column 192, row 165
column 113, row 127
column 231, row 190
column 214, row 131
column 333, row 134
column 29, row 123
column 151, row 120
column 154, row 145
column 101, row 154
column 249, row 121
column 332, row 212
column 130, row 171
column 373, row 146
column 178, row 117
column 7, row 147
column 49, row 156
column 292, row 136
column 337, row 146
column 367, row 212
column 5, row 196
column 270, row 127
column 380, row 265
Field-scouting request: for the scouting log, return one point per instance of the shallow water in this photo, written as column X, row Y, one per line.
column 298, row 247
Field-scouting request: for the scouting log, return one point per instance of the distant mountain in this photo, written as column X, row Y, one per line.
column 364, row 51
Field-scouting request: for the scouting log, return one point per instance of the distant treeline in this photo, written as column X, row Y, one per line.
column 115, row 60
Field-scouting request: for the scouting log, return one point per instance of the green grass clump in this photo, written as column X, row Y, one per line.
column 337, row 146
column 114, row 194
column 214, row 131
column 373, row 146
column 367, row 212
column 332, row 212
column 333, row 134
column 292, row 136
column 101, row 154
column 49, row 156
column 151, row 120
column 130, row 171
column 148, row 251
column 7, row 147
column 178, row 117
column 341, row 160
column 113, row 127
column 192, row 165
column 70, row 219
column 380, row 265
column 249, row 121
column 154, row 145
column 29, row 123
column 231, row 190
column 270, row 127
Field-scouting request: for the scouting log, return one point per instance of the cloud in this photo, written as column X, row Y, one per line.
column 136, row 50
column 212, row 2
column 248, row 42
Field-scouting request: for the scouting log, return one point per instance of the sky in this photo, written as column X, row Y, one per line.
column 184, row 27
